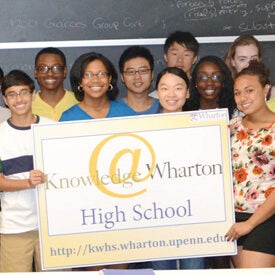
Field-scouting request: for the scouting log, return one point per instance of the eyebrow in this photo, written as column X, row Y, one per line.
column 185, row 50
column 14, row 92
column 245, row 56
column 178, row 83
column 204, row 72
column 141, row 67
column 246, row 87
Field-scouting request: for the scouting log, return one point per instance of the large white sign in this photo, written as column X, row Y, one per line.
column 134, row 189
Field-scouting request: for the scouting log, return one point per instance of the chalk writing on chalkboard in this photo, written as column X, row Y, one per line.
column 66, row 20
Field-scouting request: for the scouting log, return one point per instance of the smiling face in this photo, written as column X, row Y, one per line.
column 172, row 92
column 137, row 75
column 96, row 80
column 50, row 81
column 249, row 94
column 179, row 56
column 243, row 55
column 19, row 99
column 209, row 81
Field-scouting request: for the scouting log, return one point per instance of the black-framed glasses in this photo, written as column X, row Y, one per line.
column 56, row 69
column 14, row 95
column 141, row 71
column 88, row 75
column 214, row 77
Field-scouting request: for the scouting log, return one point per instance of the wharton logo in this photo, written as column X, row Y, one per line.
column 205, row 116
column 117, row 164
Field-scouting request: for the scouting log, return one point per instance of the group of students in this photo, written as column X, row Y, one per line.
column 240, row 83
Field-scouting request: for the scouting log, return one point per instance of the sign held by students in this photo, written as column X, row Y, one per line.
column 134, row 189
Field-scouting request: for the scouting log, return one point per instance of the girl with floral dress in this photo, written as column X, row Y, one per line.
column 253, row 152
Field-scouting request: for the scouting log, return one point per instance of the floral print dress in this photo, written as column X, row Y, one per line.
column 253, row 161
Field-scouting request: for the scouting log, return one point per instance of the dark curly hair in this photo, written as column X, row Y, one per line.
column 78, row 69
column 256, row 68
column 226, row 98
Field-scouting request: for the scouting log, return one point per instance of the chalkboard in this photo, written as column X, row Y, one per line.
column 29, row 25
column 54, row 20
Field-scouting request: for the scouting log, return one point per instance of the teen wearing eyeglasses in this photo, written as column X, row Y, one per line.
column 136, row 66
column 50, row 71
column 18, row 178
column 94, row 82
column 211, row 86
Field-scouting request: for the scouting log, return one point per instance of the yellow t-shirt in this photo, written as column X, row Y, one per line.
column 271, row 104
column 41, row 108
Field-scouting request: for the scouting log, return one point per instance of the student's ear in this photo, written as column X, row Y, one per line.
column 267, row 90
column 110, row 79
column 152, row 78
column 65, row 72
column 188, row 93
column 122, row 78
column 4, row 99
column 232, row 62
column 195, row 60
column 79, row 87
column 33, row 95
column 165, row 58
column 35, row 73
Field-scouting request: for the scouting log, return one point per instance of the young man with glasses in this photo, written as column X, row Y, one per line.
column 18, row 179
column 136, row 66
column 50, row 71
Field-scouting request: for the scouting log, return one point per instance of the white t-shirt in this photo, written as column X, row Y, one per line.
column 19, row 209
